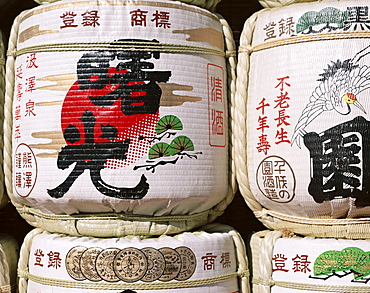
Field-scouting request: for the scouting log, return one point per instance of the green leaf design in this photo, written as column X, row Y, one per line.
column 180, row 144
column 158, row 150
column 306, row 21
column 168, row 122
column 326, row 263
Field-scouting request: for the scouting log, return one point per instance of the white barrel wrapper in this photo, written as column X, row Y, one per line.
column 101, row 129
column 207, row 260
column 9, row 252
column 208, row 4
column 300, row 265
column 308, row 115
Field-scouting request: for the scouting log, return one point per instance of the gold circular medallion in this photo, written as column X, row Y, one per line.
column 87, row 264
column 130, row 264
column 173, row 264
column 73, row 258
column 104, row 264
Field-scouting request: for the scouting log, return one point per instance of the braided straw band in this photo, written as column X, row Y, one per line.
column 24, row 210
column 121, row 286
column 304, row 39
column 6, row 289
column 118, row 46
column 312, row 287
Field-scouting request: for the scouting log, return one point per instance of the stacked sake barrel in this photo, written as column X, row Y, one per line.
column 9, row 249
column 121, row 153
column 301, row 144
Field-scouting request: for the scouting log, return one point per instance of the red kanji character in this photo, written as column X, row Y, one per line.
column 270, row 31
column 263, row 145
column 18, row 179
column 281, row 119
column 54, row 260
column 300, row 263
column 282, row 83
column 263, row 106
column 30, row 107
column 31, row 61
column 279, row 263
column 282, row 101
column 90, row 18
column 19, row 72
column 138, row 17
column 38, row 255
column 27, row 160
column 216, row 84
column 161, row 19
column 217, row 122
column 17, row 113
column 225, row 260
column 17, row 132
column 19, row 91
column 262, row 123
column 68, row 19
column 209, row 261
column 30, row 84
column 28, row 180
column 282, row 136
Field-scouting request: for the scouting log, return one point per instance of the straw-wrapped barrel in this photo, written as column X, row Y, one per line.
column 212, row 259
column 117, row 112
column 302, row 118
column 282, row 262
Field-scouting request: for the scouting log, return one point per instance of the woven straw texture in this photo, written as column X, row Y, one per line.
column 280, row 3
column 356, row 227
column 274, row 269
column 207, row 4
column 3, row 197
column 114, row 224
column 220, row 238
column 8, row 263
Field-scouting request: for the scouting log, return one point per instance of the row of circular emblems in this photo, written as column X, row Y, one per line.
column 130, row 264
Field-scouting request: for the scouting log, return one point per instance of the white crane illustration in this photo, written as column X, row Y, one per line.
column 341, row 83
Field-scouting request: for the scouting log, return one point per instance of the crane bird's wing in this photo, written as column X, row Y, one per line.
column 319, row 102
column 359, row 80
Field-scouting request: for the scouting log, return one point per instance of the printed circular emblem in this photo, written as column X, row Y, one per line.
column 25, row 170
column 188, row 263
column 73, row 258
column 173, row 264
column 156, row 264
column 130, row 264
column 104, row 264
column 87, row 264
column 276, row 180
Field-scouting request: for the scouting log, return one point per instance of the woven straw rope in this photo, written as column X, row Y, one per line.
column 262, row 245
column 5, row 286
column 112, row 224
column 208, row 4
column 242, row 272
column 338, row 228
column 4, row 198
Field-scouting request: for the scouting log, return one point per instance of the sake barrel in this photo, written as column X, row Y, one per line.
column 212, row 259
column 302, row 149
column 9, row 252
column 119, row 118
column 208, row 4
column 308, row 264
